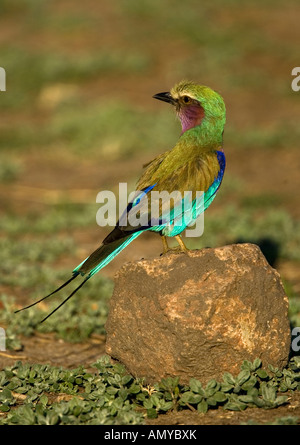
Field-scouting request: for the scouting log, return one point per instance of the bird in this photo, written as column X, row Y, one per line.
column 196, row 163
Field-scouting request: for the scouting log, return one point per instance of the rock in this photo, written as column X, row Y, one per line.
column 198, row 314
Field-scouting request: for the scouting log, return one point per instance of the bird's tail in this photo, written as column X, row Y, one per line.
column 91, row 265
column 104, row 255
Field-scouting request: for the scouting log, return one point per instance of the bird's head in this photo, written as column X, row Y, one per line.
column 194, row 103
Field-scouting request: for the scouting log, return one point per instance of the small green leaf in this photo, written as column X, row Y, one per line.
column 226, row 387
column 165, row 406
column 134, row 389
column 280, row 400
column 44, row 400
column 148, row 404
column 141, row 397
column 117, row 378
column 235, row 405
column 275, row 371
column 185, row 397
column 111, row 390
column 211, row 384
column 190, row 397
column 169, row 383
column 202, row 407
column 22, row 390
column 196, row 386
column 155, row 400
column 52, row 418
column 126, row 379
column 272, row 368
column 290, row 383
column 256, row 364
column 211, row 401
column 228, row 378
column 243, row 377
column 28, row 415
column 237, row 389
column 195, row 398
column 211, row 388
column 220, row 397
column 4, row 408
column 77, row 410
column 123, row 393
column 32, row 374
column 268, row 393
column 247, row 365
column 13, row 385
column 260, row 403
column 262, row 374
column 253, row 392
column 283, row 387
column 246, row 398
column 151, row 413
column 6, row 395
column 249, row 383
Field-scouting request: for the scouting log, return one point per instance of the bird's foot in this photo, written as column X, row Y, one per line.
column 178, row 249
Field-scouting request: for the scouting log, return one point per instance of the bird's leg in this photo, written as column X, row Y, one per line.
column 165, row 244
column 182, row 247
column 181, row 243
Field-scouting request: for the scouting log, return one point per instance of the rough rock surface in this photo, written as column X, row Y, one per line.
column 198, row 314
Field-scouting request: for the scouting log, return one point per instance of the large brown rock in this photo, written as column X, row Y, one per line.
column 198, row 314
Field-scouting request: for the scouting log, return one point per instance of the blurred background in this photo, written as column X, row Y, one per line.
column 78, row 117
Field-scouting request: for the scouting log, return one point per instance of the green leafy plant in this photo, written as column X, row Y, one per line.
column 43, row 394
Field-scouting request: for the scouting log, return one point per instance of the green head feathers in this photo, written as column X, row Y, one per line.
column 210, row 100
column 196, row 105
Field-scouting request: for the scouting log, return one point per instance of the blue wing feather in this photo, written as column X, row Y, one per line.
column 199, row 205
column 170, row 229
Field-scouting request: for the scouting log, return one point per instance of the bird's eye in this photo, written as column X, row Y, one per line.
column 186, row 99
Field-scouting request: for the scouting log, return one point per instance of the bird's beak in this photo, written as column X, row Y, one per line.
column 165, row 97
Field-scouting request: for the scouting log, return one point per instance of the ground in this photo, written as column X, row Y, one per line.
column 77, row 118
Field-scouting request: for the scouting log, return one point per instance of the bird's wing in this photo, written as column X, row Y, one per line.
column 151, row 167
column 204, row 174
column 197, row 174
column 215, row 185
column 124, row 226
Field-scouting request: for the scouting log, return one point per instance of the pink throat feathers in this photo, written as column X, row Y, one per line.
column 190, row 116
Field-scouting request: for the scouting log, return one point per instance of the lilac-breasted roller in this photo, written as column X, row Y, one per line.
column 196, row 163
